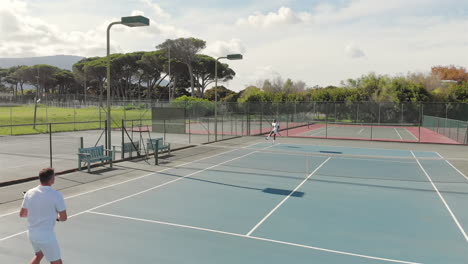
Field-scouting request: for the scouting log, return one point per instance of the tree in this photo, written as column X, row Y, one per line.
column 184, row 50
column 20, row 76
column 222, row 91
column 95, row 70
column 66, row 82
column 151, row 66
column 451, row 72
column 204, row 72
column 252, row 94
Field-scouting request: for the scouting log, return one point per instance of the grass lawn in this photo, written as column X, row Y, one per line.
column 24, row 116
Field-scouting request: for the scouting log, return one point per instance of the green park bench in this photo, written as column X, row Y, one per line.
column 128, row 147
column 93, row 154
column 151, row 144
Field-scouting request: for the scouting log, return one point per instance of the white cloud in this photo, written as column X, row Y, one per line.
column 222, row 48
column 158, row 11
column 24, row 34
column 358, row 9
column 354, row 52
column 284, row 16
column 167, row 31
column 263, row 73
column 137, row 13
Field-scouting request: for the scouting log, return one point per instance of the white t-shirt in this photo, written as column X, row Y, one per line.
column 275, row 126
column 43, row 204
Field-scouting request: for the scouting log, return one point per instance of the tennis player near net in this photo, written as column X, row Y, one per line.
column 274, row 130
column 43, row 206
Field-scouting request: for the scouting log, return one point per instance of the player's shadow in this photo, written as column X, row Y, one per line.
column 283, row 192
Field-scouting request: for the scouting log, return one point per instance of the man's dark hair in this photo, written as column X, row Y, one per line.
column 46, row 174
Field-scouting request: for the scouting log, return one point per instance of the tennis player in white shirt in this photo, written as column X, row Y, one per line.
column 43, row 206
column 274, row 130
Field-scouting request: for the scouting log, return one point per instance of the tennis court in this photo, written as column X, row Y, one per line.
column 264, row 203
column 382, row 132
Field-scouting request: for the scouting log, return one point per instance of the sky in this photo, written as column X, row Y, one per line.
column 316, row 41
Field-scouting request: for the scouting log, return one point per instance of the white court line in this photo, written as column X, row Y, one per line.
column 252, row 237
column 286, row 198
column 408, row 132
column 147, row 190
column 442, row 199
column 461, row 173
column 398, row 133
column 143, row 176
column 325, row 130
column 316, row 132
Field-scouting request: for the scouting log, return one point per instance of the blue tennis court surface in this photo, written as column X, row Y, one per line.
column 269, row 203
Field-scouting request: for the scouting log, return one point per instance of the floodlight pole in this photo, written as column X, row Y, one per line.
column 132, row 21
column 229, row 57
column 108, row 116
column 216, row 97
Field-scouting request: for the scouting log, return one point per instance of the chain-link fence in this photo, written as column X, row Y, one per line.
column 53, row 137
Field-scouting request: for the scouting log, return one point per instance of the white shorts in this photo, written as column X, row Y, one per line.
column 49, row 248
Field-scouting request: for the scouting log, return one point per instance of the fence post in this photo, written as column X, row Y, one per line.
column 401, row 121
column 50, row 143
column 105, row 134
column 156, row 153
column 466, row 133
column 261, row 118
column 74, row 118
column 123, row 139
column 379, row 112
column 326, row 120
column 11, row 121
column 335, row 112
column 164, row 124
column 81, row 142
column 235, row 121
column 189, row 132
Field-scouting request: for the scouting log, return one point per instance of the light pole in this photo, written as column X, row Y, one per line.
column 131, row 21
column 229, row 57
